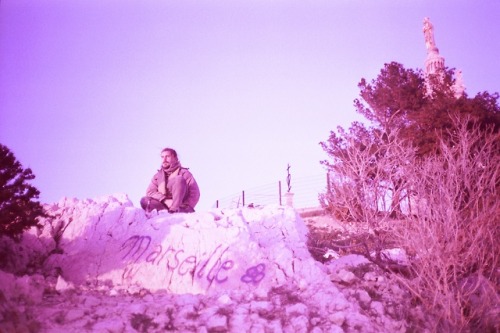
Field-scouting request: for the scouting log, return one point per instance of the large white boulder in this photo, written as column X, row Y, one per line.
column 109, row 242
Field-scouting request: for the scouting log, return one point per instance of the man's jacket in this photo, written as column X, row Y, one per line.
column 158, row 187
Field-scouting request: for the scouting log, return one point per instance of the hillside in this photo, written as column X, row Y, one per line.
column 103, row 265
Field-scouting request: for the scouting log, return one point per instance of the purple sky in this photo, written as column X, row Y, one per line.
column 90, row 91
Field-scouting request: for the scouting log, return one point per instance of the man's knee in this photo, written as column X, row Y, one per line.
column 177, row 181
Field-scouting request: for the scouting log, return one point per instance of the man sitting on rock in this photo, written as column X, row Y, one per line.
column 172, row 187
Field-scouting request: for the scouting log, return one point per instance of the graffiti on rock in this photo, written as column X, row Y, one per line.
column 138, row 245
column 254, row 274
column 176, row 261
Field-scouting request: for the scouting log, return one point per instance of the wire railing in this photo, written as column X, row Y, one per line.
column 305, row 193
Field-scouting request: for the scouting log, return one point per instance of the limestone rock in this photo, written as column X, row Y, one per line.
column 110, row 267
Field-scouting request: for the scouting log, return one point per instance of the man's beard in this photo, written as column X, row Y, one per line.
column 170, row 167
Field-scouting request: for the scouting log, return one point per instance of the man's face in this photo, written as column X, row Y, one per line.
column 167, row 159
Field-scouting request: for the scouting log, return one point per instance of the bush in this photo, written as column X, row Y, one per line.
column 450, row 221
column 453, row 231
column 18, row 208
column 366, row 183
column 426, row 174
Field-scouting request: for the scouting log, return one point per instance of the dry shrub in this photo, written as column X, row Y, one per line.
column 451, row 227
column 369, row 184
column 454, row 232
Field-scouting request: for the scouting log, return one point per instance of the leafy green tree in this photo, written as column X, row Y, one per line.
column 18, row 208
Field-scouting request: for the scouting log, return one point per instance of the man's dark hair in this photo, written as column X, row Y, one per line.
column 172, row 151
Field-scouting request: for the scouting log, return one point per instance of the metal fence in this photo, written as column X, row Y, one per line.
column 305, row 193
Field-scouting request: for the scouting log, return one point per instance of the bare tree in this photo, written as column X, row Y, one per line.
column 367, row 184
column 453, row 231
column 450, row 228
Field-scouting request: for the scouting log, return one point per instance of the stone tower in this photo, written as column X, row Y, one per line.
column 434, row 62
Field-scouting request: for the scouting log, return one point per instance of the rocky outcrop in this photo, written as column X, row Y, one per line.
column 105, row 266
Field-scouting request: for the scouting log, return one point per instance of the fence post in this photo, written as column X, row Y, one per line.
column 279, row 191
column 288, row 194
column 243, row 197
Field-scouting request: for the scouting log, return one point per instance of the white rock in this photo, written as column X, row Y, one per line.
column 363, row 297
column 238, row 319
column 217, row 323
column 335, row 329
column 261, row 306
column 255, row 328
column 396, row 255
column 274, row 326
column 208, row 312
column 201, row 329
column 137, row 308
column 260, row 293
column 396, row 290
column 378, row 308
column 236, row 270
column 316, row 330
column 296, row 309
column 315, row 321
column 185, row 253
column 62, row 284
column 331, row 254
column 351, row 260
column 188, row 299
column 370, row 276
column 299, row 324
column 337, row 318
column 224, row 299
column 345, row 276
column 360, row 322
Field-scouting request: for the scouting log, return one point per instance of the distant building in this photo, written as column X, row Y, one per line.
column 434, row 62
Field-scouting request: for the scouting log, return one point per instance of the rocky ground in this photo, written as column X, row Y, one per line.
column 368, row 300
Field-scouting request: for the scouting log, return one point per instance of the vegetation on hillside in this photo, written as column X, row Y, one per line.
column 426, row 174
